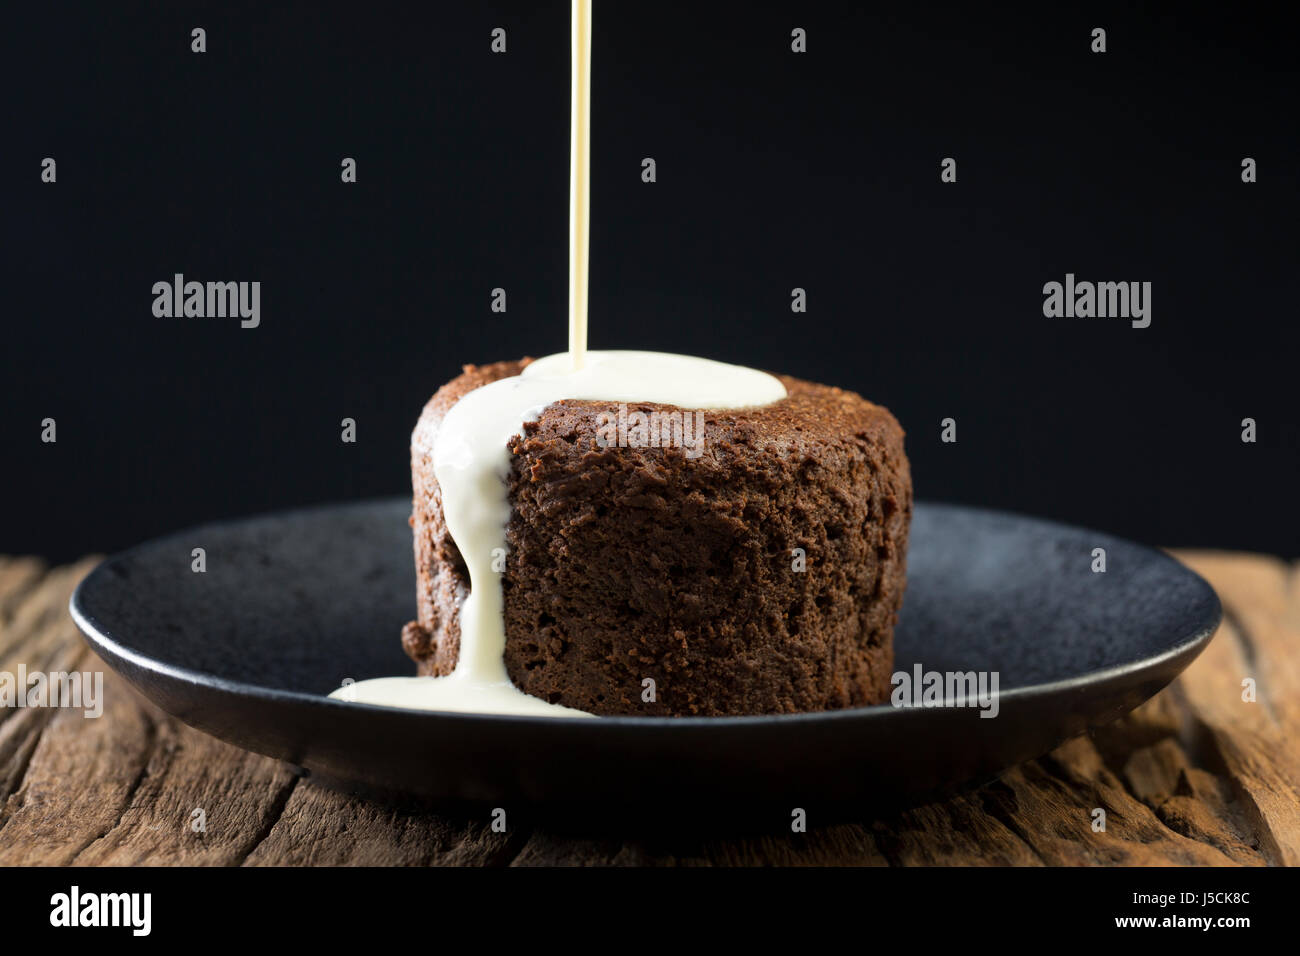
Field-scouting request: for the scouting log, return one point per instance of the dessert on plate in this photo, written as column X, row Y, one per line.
column 748, row 560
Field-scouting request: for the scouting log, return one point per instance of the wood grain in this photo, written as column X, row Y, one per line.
column 1197, row 776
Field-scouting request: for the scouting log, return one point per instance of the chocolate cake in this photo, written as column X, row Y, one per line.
column 764, row 575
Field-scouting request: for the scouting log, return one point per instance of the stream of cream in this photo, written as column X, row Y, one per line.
column 579, row 181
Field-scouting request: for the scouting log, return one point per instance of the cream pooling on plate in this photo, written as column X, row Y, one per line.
column 471, row 461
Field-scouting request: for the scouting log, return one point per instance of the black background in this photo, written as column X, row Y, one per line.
column 775, row 170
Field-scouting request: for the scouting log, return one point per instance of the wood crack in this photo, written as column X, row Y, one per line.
column 993, row 804
column 509, row 851
column 128, row 797
column 25, row 753
column 275, row 814
column 1206, row 743
column 1250, row 651
column 1119, row 782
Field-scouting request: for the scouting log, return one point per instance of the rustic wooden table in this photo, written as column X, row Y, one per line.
column 1196, row 776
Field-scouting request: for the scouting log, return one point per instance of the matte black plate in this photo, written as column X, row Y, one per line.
column 293, row 603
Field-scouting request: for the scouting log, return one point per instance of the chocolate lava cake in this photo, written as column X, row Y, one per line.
column 632, row 563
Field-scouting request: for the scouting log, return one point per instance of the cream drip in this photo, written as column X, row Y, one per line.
column 471, row 461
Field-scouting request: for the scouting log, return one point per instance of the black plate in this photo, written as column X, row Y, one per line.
column 290, row 604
